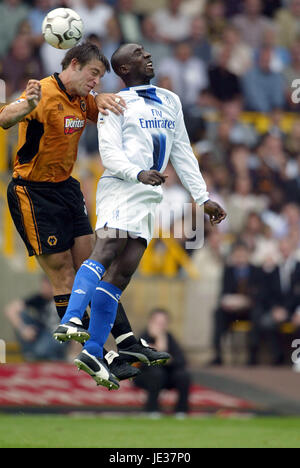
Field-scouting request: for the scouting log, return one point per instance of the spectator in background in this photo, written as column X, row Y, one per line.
column 292, row 145
column 288, row 22
column 280, row 56
column 233, row 7
column 270, row 7
column 253, row 233
column 216, row 20
column 173, row 375
column 33, row 320
column 187, row 73
column 239, row 132
column 212, row 255
column 224, row 84
column 243, row 201
column 129, row 22
column 198, row 40
column 36, row 17
column 240, row 295
column 252, row 23
column 95, row 15
column 20, row 62
column 193, row 8
column 263, row 89
column 151, row 42
column 240, row 160
column 281, row 298
column 12, row 14
column 270, row 164
column 171, row 24
column 241, row 55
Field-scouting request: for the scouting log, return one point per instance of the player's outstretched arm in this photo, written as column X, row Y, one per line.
column 215, row 212
column 110, row 102
column 15, row 112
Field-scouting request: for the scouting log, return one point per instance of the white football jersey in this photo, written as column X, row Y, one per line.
column 149, row 133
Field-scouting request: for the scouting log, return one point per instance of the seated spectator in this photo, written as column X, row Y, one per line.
column 174, row 375
column 171, row 24
column 233, row 7
column 33, row 320
column 193, row 8
column 292, row 144
column 258, row 237
column 271, row 7
column 36, row 17
column 216, row 20
column 252, row 23
column 288, row 22
column 241, row 54
column 224, row 85
column 129, row 22
column 199, row 115
column 95, row 15
column 187, row 73
column 240, row 160
column 20, row 62
column 293, row 186
column 242, row 201
column 198, row 40
column 280, row 56
column 240, row 133
column 240, row 295
column 12, row 14
column 280, row 300
column 263, row 89
column 151, row 41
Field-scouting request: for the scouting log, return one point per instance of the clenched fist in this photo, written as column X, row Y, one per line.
column 33, row 93
column 151, row 177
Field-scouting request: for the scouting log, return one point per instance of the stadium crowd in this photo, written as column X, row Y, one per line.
column 234, row 66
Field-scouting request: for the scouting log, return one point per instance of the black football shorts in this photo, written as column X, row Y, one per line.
column 48, row 216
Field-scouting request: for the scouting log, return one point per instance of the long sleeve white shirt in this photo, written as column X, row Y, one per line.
column 149, row 133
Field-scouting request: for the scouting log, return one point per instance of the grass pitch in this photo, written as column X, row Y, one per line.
column 128, row 432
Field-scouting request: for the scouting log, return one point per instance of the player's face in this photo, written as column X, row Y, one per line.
column 88, row 77
column 141, row 62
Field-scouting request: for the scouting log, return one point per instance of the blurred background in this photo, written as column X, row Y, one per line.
column 234, row 305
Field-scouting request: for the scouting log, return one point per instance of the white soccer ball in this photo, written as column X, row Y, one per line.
column 62, row 28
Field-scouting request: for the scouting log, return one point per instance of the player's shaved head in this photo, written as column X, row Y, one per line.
column 133, row 64
column 122, row 56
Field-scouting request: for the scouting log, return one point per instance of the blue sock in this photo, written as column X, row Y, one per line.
column 103, row 313
column 87, row 279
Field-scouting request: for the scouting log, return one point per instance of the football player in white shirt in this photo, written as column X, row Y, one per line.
column 135, row 148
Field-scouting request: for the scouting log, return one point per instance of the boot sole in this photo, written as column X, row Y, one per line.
column 99, row 381
column 80, row 337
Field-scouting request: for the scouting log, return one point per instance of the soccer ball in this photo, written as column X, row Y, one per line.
column 62, row 28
